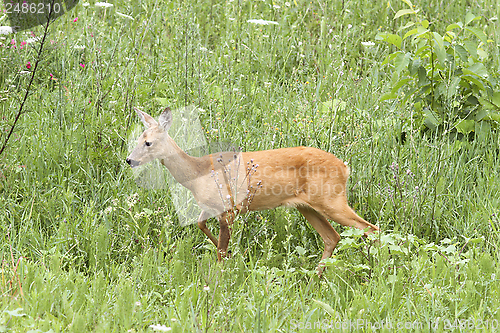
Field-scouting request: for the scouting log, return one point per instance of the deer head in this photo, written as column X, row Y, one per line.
column 154, row 142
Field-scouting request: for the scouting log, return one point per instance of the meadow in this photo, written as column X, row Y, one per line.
column 83, row 248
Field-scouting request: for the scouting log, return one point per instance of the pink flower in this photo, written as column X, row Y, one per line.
column 51, row 76
column 76, row 19
column 23, row 43
column 82, row 65
column 28, row 65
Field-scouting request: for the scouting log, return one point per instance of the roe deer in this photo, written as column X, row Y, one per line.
column 310, row 179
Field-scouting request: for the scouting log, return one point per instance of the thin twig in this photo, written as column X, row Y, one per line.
column 28, row 89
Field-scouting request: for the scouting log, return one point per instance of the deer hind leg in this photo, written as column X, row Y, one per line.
column 202, row 224
column 340, row 212
column 324, row 228
column 225, row 221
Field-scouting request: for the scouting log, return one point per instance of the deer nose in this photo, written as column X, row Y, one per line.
column 132, row 163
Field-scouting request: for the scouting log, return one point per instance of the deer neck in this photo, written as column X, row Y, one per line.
column 184, row 168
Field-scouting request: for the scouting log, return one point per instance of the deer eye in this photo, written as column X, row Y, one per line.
column 148, row 143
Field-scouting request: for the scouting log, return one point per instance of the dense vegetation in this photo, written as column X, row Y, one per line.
column 415, row 115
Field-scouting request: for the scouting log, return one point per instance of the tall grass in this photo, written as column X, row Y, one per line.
column 84, row 249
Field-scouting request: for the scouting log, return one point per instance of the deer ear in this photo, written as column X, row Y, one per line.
column 166, row 119
column 146, row 119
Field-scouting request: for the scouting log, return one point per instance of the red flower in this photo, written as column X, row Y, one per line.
column 28, row 65
column 82, row 65
column 76, row 19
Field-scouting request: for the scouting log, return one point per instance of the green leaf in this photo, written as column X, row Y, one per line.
column 431, row 120
column 481, row 113
column 446, row 241
column 399, row 84
column 474, row 81
column 326, row 307
column 300, row 250
column 453, row 87
column 414, row 65
column 387, row 96
column 462, row 52
column 397, row 249
column 393, row 39
column 352, row 232
column 476, row 240
column 495, row 99
column 439, row 48
column 471, row 46
column 162, row 101
column 421, row 32
column 402, row 61
column 469, row 17
column 478, row 32
column 408, row 2
column 360, row 267
column 411, row 32
column 425, row 24
column 483, row 55
column 452, row 26
column 392, row 278
column 494, row 116
column 477, row 69
column 465, row 126
column 15, row 313
column 422, row 77
column 403, row 12
column 487, row 104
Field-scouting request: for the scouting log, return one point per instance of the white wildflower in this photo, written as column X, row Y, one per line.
column 79, row 47
column 85, row 4
column 262, row 22
column 368, row 44
column 103, row 4
column 206, row 288
column 132, row 200
column 276, row 6
column 5, row 30
column 32, row 40
column 160, row 328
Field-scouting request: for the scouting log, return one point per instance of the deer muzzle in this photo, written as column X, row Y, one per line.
column 132, row 163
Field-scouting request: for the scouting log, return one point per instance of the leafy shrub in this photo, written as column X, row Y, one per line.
column 445, row 76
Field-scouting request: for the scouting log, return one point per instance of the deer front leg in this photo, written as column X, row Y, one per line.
column 225, row 220
column 202, row 220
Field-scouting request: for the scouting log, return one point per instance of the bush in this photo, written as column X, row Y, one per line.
column 444, row 76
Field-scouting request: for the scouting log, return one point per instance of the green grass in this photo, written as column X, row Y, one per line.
column 77, row 255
